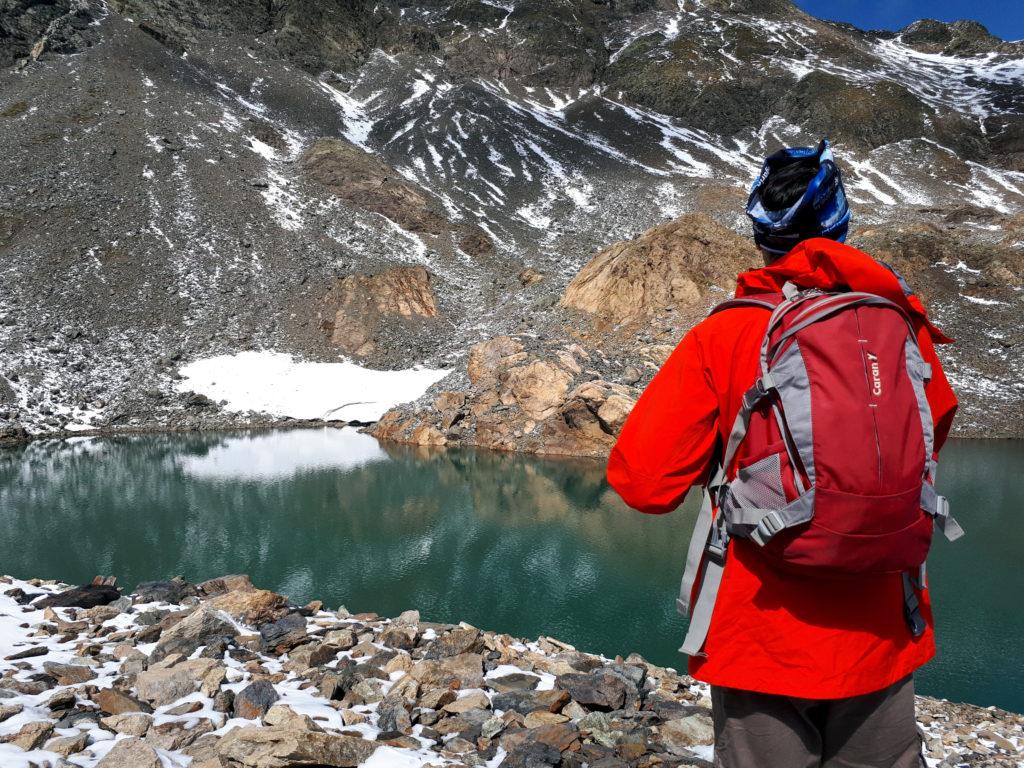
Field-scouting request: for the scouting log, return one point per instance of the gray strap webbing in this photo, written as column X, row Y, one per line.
column 765, row 523
column 854, row 300
column 700, row 618
column 698, row 541
column 938, row 507
column 742, row 302
column 787, row 440
column 912, row 606
column 736, row 434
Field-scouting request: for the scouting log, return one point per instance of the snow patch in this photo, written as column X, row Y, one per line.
column 276, row 383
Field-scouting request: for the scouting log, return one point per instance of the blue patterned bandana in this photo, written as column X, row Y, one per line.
column 822, row 211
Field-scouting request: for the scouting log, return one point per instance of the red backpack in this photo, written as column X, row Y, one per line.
column 835, row 451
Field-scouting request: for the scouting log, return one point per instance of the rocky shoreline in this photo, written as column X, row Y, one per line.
column 225, row 675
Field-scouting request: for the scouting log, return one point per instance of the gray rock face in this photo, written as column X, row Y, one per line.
column 30, row 27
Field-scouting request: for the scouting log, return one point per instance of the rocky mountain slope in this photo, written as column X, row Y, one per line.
column 393, row 182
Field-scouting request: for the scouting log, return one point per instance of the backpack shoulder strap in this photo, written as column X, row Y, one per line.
column 766, row 301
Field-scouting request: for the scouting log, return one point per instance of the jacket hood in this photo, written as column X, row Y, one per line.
column 833, row 266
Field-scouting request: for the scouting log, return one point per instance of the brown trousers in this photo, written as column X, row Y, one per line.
column 759, row 730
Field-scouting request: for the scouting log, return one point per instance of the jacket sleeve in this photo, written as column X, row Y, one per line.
column 941, row 398
column 668, row 439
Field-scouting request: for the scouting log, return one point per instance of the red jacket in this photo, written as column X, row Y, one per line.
column 772, row 631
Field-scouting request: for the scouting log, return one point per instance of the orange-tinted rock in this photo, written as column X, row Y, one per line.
column 672, row 265
column 359, row 307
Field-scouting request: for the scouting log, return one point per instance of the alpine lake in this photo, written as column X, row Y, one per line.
column 512, row 543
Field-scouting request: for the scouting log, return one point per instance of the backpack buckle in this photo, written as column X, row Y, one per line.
column 761, row 389
column 767, row 527
column 717, row 544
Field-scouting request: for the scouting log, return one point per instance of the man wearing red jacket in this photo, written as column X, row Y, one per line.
column 803, row 672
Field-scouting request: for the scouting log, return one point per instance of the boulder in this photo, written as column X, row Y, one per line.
column 203, row 627
column 673, row 265
column 235, row 582
column 469, row 701
column 599, row 690
column 400, row 637
column 682, row 733
column 32, row 735
column 251, row 606
column 516, row 681
column 173, row 591
column 465, row 668
column 68, row 674
column 28, row 653
column 311, row 655
column 161, row 686
column 285, row 747
column 531, row 755
column 67, row 745
column 88, row 596
column 452, row 643
column 253, row 701
column 129, row 723
column 116, row 702
column 178, row 734
column 437, row 698
column 525, row 702
column 284, row 716
column 285, row 633
column 131, row 753
column 61, row 700
column 393, row 716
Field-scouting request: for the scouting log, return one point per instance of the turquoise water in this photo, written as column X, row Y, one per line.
column 518, row 544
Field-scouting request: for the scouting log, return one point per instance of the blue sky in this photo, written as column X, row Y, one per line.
column 1004, row 18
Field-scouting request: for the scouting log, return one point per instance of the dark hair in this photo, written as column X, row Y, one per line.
column 784, row 186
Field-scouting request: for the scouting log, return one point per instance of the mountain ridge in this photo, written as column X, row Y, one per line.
column 159, row 205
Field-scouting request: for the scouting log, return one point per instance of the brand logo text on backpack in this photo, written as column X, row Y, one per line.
column 876, row 376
